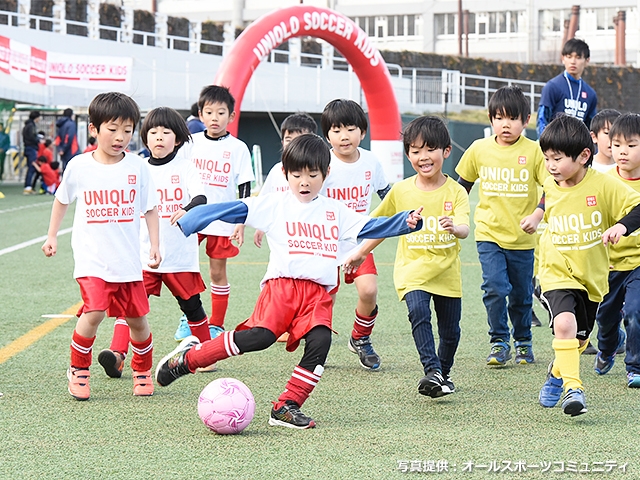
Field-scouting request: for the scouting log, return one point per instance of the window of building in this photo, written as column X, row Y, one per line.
column 400, row 24
column 604, row 18
column 472, row 22
column 492, row 22
column 371, row 26
column 451, row 23
column 411, row 25
column 391, row 25
column 502, row 21
column 513, row 20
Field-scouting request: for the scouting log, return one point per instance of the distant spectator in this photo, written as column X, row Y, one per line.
column 45, row 150
column 50, row 175
column 91, row 145
column 5, row 143
column 67, row 139
column 194, row 124
column 30, row 142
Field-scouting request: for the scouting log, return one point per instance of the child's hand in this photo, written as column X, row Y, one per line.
column 50, row 246
column 257, row 238
column 612, row 235
column 238, row 234
column 353, row 262
column 447, row 224
column 177, row 216
column 530, row 224
column 414, row 217
column 154, row 258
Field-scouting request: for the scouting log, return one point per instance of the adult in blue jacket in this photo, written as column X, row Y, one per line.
column 67, row 138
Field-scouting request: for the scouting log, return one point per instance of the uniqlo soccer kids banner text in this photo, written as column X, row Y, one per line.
column 32, row 65
column 271, row 30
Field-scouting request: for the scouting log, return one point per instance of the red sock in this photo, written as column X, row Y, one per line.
column 81, row 350
column 219, row 304
column 142, row 359
column 363, row 326
column 299, row 386
column 200, row 329
column 120, row 340
column 211, row 351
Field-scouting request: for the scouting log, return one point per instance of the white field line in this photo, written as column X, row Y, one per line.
column 8, row 210
column 33, row 241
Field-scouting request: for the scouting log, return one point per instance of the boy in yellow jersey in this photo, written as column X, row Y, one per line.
column 585, row 211
column 509, row 168
column 427, row 261
column 622, row 303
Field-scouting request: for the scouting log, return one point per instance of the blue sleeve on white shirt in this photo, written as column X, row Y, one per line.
column 384, row 227
column 199, row 217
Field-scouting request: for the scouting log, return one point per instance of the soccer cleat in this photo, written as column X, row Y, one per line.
column 183, row 330
column 603, row 363
column 524, row 354
column 633, row 380
column 142, row 384
column 500, row 353
column 112, row 362
column 174, row 365
column 369, row 359
column 215, row 331
column 433, row 385
column 449, row 383
column 590, row 350
column 551, row 391
column 79, row 382
column 290, row 416
column 574, row 402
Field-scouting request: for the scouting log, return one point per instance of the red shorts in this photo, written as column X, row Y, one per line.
column 182, row 284
column 368, row 267
column 218, row 247
column 126, row 299
column 290, row 305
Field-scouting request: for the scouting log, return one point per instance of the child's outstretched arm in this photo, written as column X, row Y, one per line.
column 58, row 211
column 399, row 224
column 626, row 225
column 153, row 224
column 358, row 257
column 199, row 217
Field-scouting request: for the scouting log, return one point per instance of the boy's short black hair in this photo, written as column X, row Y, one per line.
column 625, row 126
column 306, row 151
column 568, row 136
column 509, row 101
column 67, row 112
column 194, row 109
column 55, row 165
column 168, row 118
column 42, row 159
column 429, row 131
column 47, row 142
column 34, row 114
column 109, row 106
column 577, row 46
column 342, row 112
column 298, row 123
column 216, row 94
column 602, row 119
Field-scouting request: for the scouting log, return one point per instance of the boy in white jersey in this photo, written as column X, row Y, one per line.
column 113, row 189
column 303, row 229
column 584, row 210
column 356, row 174
column 510, row 168
column 427, row 262
column 600, row 126
column 622, row 303
column 224, row 164
column 291, row 127
column 165, row 134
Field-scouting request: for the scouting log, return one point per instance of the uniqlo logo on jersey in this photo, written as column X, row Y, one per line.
column 584, row 94
column 522, row 160
column 591, row 201
column 226, row 154
column 448, row 206
column 175, row 178
column 367, row 175
column 331, row 216
column 132, row 179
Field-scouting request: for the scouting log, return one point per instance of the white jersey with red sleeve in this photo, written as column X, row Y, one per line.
column 275, row 181
column 177, row 182
column 355, row 183
column 106, row 226
column 222, row 164
column 303, row 237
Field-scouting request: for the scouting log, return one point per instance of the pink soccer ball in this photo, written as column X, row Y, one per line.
column 226, row 406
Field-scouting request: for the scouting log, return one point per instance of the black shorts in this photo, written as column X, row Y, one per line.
column 576, row 302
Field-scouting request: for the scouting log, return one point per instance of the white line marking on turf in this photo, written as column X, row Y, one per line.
column 8, row 210
column 28, row 243
column 53, row 315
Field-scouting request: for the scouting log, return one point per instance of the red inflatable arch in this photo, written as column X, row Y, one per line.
column 271, row 30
